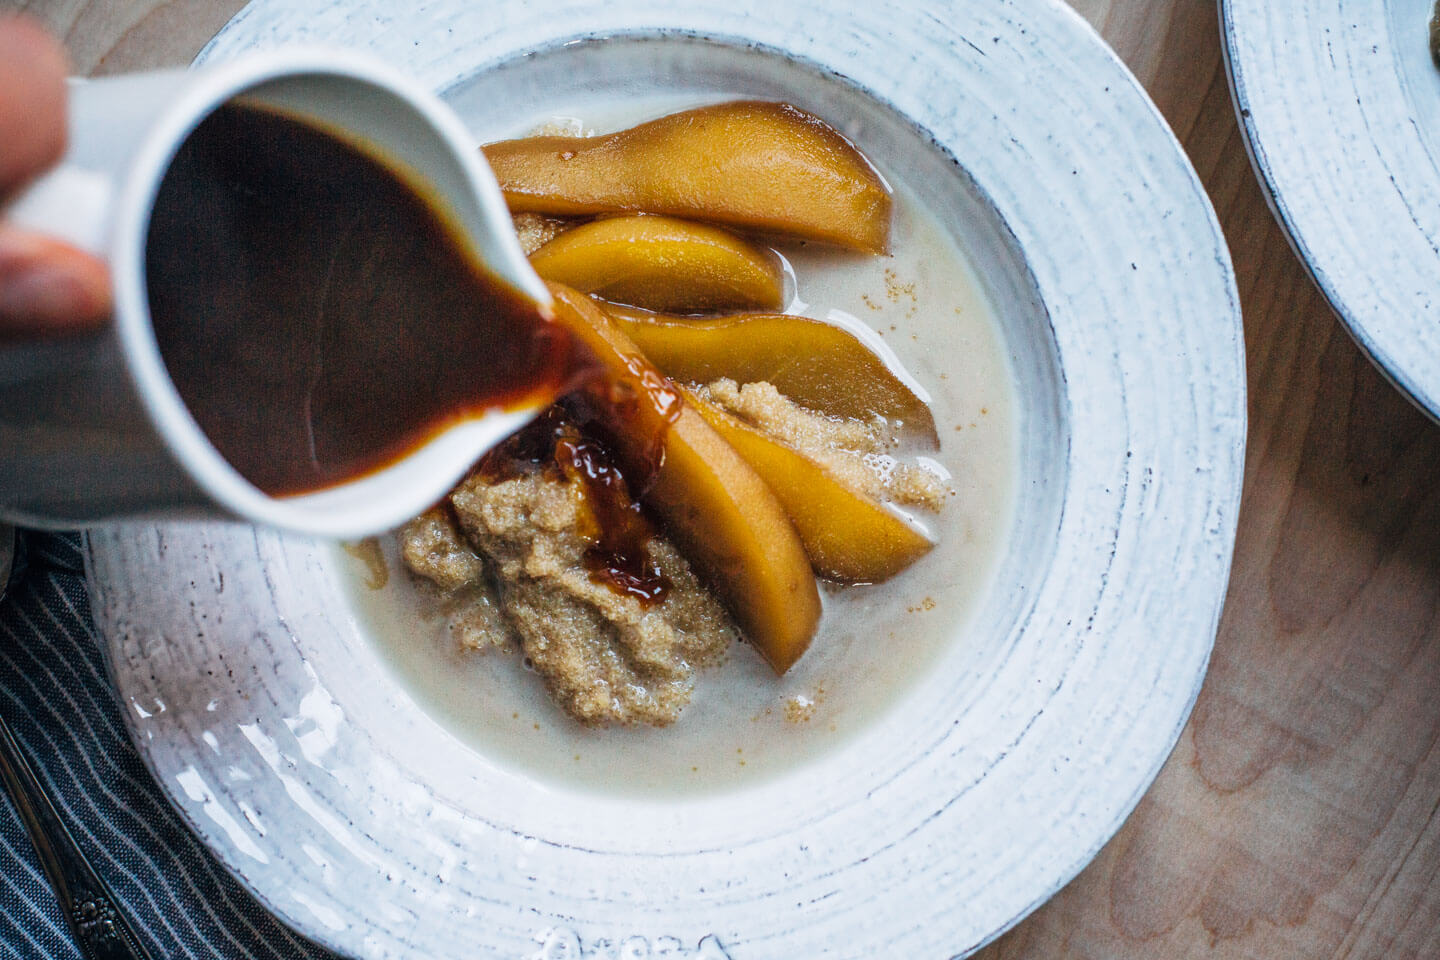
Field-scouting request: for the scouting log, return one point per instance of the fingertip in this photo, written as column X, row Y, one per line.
column 33, row 66
column 49, row 289
column 44, row 50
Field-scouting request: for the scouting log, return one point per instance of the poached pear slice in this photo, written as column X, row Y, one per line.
column 754, row 165
column 661, row 263
column 847, row 535
column 817, row 365
column 721, row 515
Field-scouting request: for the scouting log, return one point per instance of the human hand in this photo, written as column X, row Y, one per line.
column 47, row 288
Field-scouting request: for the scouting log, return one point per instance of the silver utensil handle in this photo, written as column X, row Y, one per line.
column 100, row 929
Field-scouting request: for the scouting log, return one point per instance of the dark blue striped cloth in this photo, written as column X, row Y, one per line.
column 54, row 693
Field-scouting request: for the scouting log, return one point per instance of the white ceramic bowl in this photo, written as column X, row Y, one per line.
column 1340, row 105
column 1008, row 762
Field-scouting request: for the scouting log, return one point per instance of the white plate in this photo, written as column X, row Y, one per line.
column 282, row 738
column 1340, row 104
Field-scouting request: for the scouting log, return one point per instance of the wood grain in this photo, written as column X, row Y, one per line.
column 1300, row 814
column 1297, row 817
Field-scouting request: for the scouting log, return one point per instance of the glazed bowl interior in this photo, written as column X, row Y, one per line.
column 619, row 69
column 948, row 621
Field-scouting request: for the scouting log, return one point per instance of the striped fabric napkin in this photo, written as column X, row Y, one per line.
column 54, row 693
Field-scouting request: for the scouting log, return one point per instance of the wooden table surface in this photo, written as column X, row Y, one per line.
column 1298, row 816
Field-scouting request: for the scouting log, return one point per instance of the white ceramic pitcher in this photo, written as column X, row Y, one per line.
column 92, row 428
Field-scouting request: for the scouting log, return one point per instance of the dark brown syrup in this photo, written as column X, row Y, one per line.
column 320, row 315
column 560, row 444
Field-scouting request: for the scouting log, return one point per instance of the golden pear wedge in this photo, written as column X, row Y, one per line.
column 722, row 516
column 662, row 263
column 816, row 364
column 753, row 165
column 847, row 535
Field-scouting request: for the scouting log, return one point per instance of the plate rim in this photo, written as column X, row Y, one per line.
column 1383, row 356
column 1172, row 736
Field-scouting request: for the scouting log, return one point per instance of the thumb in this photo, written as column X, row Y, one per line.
column 48, row 288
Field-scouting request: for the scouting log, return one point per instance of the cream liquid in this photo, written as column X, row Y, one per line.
column 925, row 307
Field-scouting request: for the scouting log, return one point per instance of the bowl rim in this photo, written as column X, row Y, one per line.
column 1221, row 537
column 1346, row 269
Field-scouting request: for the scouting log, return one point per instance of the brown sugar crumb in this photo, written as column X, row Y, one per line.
column 471, row 615
column 604, row 657
column 535, row 230
column 432, row 547
column 865, row 297
column 769, row 410
column 799, row 709
column 924, row 606
column 368, row 551
column 474, row 619
column 561, row 127
column 914, row 486
column 854, row 451
column 896, row 290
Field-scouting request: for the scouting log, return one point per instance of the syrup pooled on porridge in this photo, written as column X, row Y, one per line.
column 808, row 400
